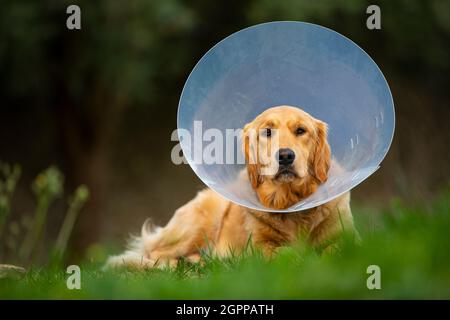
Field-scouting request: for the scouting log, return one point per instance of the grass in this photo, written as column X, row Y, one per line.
column 411, row 245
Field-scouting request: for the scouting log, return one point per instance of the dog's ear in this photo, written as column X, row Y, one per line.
column 322, row 153
column 250, row 138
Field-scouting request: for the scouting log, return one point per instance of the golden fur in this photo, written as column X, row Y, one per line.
column 211, row 221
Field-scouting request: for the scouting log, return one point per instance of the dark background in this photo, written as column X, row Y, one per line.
column 101, row 103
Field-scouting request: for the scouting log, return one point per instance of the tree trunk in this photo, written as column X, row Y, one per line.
column 86, row 134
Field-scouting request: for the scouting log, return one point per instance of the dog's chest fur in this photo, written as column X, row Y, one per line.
column 265, row 229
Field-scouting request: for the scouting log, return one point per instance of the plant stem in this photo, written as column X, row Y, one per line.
column 75, row 206
column 34, row 234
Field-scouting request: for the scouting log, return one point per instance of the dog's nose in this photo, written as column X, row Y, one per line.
column 285, row 156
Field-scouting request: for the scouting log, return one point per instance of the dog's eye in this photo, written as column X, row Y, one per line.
column 300, row 131
column 267, row 132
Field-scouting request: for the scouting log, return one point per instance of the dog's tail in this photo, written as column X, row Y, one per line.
column 135, row 256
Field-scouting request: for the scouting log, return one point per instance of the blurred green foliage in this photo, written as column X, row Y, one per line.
column 21, row 241
column 8, row 181
column 133, row 49
column 122, row 48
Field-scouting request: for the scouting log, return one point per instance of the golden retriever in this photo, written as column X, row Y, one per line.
column 299, row 166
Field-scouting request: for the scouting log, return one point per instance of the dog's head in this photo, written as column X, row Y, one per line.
column 287, row 155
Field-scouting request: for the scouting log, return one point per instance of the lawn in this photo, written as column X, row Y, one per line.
column 410, row 244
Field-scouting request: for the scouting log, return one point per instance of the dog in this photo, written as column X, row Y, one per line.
column 292, row 173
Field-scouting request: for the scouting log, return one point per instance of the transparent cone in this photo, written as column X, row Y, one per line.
column 297, row 64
